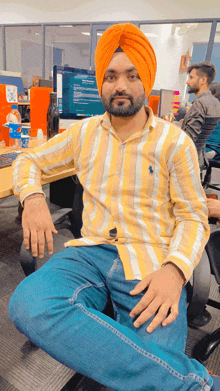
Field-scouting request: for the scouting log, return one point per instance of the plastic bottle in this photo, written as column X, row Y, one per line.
column 14, row 117
column 53, row 116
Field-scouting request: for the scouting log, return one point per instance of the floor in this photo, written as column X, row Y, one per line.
column 23, row 366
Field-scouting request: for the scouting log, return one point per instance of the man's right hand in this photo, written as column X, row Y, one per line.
column 37, row 225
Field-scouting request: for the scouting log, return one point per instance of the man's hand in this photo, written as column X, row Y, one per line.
column 214, row 208
column 163, row 294
column 37, row 225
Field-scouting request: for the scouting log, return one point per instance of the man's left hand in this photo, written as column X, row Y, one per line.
column 163, row 294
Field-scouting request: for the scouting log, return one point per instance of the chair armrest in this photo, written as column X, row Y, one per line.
column 200, row 287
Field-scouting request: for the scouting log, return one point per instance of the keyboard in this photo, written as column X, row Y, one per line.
column 6, row 159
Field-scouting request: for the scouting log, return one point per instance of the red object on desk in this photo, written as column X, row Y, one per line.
column 154, row 103
column 39, row 103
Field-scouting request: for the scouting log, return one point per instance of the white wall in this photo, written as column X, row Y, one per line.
column 32, row 11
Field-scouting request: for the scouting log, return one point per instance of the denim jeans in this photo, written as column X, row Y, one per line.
column 59, row 308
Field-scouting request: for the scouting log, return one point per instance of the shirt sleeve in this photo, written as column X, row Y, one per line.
column 194, row 120
column 191, row 230
column 51, row 158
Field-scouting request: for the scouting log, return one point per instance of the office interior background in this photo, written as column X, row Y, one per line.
column 35, row 35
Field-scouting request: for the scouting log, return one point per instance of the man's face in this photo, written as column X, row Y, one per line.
column 193, row 82
column 122, row 90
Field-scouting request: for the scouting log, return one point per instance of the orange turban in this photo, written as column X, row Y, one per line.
column 135, row 45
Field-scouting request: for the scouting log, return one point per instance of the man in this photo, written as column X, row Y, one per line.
column 205, row 104
column 143, row 232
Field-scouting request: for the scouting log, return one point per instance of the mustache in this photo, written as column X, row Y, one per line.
column 113, row 96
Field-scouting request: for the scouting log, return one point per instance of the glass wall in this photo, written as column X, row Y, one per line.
column 176, row 46
column 216, row 53
column 24, row 52
column 67, row 45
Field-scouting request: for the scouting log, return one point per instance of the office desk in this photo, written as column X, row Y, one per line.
column 6, row 176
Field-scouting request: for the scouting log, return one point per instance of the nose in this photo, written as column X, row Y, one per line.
column 121, row 84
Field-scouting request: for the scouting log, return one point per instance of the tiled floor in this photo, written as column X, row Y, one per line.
column 14, row 343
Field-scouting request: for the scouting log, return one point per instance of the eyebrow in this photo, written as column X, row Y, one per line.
column 111, row 70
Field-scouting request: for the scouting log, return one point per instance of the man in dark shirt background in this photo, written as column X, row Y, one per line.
column 201, row 75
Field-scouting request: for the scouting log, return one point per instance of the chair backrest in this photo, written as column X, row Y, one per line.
column 207, row 128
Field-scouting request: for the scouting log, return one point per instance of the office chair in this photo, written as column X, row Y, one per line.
column 207, row 128
column 214, row 162
column 210, row 264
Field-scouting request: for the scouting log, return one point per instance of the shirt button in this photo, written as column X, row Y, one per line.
column 117, row 172
column 113, row 198
column 115, row 222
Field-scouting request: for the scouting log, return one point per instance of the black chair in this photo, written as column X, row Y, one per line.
column 210, row 264
column 207, row 128
column 214, row 162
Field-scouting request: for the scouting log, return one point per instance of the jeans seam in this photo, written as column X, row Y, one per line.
column 84, row 286
column 140, row 350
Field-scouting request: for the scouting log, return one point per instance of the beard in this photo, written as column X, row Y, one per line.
column 121, row 110
column 193, row 90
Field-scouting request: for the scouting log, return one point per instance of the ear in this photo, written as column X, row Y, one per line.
column 203, row 80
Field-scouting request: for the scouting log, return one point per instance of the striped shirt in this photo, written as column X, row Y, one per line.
column 142, row 195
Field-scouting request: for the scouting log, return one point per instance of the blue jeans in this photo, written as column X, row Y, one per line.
column 59, row 308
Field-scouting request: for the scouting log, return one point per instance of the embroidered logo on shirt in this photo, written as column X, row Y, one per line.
column 151, row 169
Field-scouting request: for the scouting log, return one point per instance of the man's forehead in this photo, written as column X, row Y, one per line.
column 120, row 59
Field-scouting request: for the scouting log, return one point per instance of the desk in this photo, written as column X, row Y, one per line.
column 6, row 176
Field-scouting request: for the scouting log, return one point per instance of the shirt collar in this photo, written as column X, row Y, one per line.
column 203, row 94
column 149, row 126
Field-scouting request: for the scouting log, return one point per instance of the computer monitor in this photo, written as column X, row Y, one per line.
column 77, row 93
column 166, row 102
column 45, row 83
column 14, row 81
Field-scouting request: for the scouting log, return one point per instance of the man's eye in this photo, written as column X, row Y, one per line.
column 110, row 77
column 133, row 77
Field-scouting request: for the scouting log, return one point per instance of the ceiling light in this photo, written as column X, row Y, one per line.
column 85, row 33
column 66, row 25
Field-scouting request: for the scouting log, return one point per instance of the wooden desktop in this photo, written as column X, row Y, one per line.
column 6, row 176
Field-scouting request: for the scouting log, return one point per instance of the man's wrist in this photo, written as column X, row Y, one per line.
column 175, row 267
column 33, row 196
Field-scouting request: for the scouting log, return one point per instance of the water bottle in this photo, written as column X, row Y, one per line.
column 13, row 119
column 52, row 116
column 14, row 116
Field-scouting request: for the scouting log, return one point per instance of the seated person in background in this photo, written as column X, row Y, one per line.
column 214, row 138
column 143, row 233
column 214, row 208
column 201, row 75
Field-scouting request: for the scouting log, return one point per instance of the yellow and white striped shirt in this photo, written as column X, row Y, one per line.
column 146, row 189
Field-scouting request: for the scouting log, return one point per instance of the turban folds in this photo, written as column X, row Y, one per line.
column 135, row 45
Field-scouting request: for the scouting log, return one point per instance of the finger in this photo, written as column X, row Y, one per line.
column 49, row 241
column 142, row 304
column 26, row 237
column 33, row 241
column 53, row 229
column 41, row 243
column 174, row 312
column 141, row 286
column 148, row 312
column 159, row 318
